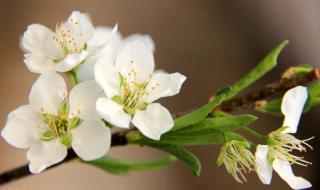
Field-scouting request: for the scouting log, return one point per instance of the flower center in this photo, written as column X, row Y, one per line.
column 59, row 126
column 237, row 158
column 132, row 93
column 282, row 144
column 70, row 39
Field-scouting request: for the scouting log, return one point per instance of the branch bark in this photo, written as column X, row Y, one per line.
column 119, row 139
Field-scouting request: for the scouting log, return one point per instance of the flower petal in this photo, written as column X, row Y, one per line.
column 163, row 84
column 102, row 36
column 38, row 39
column 85, row 71
column 107, row 77
column 80, row 26
column 37, row 63
column 21, row 127
column 292, row 107
column 43, row 154
column 146, row 39
column 153, row 121
column 137, row 58
column 47, row 93
column 264, row 168
column 82, row 99
column 283, row 168
column 71, row 61
column 113, row 113
column 91, row 139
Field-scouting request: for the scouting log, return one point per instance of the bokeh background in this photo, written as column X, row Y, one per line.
column 212, row 42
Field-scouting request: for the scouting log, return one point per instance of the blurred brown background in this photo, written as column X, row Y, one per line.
column 212, row 42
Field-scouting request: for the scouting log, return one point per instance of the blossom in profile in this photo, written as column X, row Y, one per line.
column 277, row 154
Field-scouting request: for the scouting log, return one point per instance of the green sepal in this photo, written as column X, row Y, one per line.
column 74, row 122
column 64, row 109
column 85, row 46
column 129, row 111
column 117, row 99
column 48, row 135
column 123, row 167
column 46, row 117
column 66, row 139
column 142, row 106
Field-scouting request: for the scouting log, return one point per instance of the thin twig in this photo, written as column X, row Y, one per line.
column 119, row 138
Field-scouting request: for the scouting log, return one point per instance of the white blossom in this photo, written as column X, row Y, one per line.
column 277, row 154
column 110, row 42
column 131, row 86
column 51, row 124
column 72, row 42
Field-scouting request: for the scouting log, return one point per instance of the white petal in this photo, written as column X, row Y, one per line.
column 138, row 58
column 85, row 71
column 47, row 93
column 283, row 168
column 38, row 63
column 83, row 99
column 91, row 139
column 146, row 39
column 264, row 168
column 292, row 107
column 43, row 154
column 21, row 127
column 79, row 23
column 163, row 84
column 38, row 39
column 71, row 61
column 153, row 121
column 106, row 76
column 113, row 113
column 102, row 36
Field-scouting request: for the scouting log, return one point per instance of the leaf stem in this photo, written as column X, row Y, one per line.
column 254, row 133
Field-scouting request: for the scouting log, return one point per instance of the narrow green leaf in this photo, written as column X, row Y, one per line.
column 123, row 167
column 197, row 115
column 268, row 63
column 208, row 131
column 187, row 157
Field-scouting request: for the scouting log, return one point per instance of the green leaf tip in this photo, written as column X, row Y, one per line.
column 268, row 63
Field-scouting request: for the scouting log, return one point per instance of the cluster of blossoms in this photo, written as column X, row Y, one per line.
column 277, row 154
column 115, row 84
column 118, row 84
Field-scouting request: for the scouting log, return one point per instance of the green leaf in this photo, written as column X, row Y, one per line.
column 123, row 167
column 197, row 115
column 268, row 63
column 181, row 153
column 75, row 122
column 208, row 131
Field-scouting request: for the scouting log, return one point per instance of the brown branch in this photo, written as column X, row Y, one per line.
column 277, row 87
column 119, row 138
